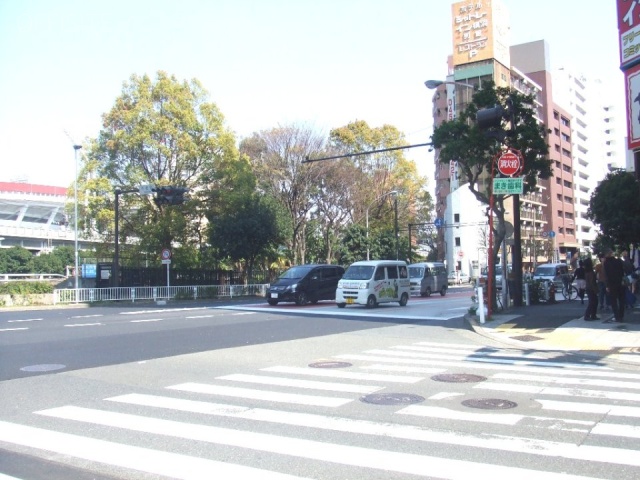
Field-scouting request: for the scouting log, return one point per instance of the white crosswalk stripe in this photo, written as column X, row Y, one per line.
column 316, row 416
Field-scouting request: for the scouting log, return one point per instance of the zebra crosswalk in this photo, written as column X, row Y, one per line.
column 567, row 420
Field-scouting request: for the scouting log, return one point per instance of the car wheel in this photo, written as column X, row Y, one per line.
column 341, row 305
column 443, row 291
column 404, row 299
column 314, row 301
column 272, row 302
column 301, row 298
column 372, row 302
column 427, row 292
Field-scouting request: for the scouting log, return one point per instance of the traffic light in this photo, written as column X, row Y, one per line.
column 490, row 117
column 170, row 195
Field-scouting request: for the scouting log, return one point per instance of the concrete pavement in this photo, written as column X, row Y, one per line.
column 561, row 327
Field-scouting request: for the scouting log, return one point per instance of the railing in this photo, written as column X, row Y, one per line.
column 8, row 277
column 89, row 295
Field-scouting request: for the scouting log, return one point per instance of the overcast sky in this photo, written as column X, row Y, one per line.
column 265, row 63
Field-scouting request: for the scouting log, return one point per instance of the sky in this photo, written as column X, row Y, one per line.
column 264, row 63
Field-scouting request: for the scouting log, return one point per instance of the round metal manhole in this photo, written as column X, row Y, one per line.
column 47, row 367
column 392, row 398
column 330, row 365
column 489, row 403
column 458, row 378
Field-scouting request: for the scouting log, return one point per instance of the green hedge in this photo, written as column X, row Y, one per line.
column 25, row 288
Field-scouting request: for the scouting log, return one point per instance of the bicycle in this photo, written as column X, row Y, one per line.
column 569, row 292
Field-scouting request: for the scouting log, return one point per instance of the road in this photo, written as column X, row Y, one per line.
column 245, row 391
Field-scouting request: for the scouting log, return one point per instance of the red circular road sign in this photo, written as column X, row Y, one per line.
column 510, row 163
column 166, row 254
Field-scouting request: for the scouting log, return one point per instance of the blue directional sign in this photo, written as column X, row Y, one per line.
column 438, row 222
column 552, row 234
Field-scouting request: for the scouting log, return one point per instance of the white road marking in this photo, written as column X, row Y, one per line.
column 26, row 320
column 336, row 373
column 83, row 324
column 164, row 464
column 290, row 382
column 571, row 381
column 570, row 392
column 262, row 395
column 599, row 408
column 419, row 465
column 13, row 329
column 146, row 320
column 408, row 432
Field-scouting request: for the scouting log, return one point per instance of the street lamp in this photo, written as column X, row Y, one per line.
column 392, row 192
column 431, row 84
column 75, row 156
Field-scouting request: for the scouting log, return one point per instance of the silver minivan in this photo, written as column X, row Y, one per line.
column 552, row 272
column 427, row 278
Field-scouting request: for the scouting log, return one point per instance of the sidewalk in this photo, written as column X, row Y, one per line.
column 561, row 327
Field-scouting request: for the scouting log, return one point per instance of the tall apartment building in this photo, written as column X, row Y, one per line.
column 596, row 141
column 553, row 222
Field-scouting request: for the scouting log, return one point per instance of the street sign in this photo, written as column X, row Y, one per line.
column 166, row 262
column 510, row 163
column 146, row 189
column 508, row 186
column 552, row 234
column 166, row 254
column 438, row 222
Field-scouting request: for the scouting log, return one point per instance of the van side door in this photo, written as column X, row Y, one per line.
column 392, row 281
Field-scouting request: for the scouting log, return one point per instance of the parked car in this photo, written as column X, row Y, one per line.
column 372, row 282
column 427, row 278
column 458, row 278
column 552, row 272
column 305, row 283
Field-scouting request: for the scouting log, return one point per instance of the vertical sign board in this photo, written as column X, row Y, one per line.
column 629, row 31
column 480, row 32
column 629, row 37
column 632, row 80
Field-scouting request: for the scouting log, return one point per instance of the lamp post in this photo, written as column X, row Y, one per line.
column 431, row 84
column 75, row 157
column 392, row 192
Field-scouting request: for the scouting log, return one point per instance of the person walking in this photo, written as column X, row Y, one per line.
column 578, row 276
column 614, row 273
column 591, row 288
column 603, row 296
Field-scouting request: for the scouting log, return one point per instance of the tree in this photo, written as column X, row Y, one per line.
column 615, row 207
column 15, row 260
column 373, row 176
column 475, row 149
column 277, row 157
column 247, row 232
column 160, row 132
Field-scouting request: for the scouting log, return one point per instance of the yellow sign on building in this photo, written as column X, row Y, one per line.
column 480, row 32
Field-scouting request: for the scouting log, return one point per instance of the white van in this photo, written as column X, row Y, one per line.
column 372, row 282
column 427, row 278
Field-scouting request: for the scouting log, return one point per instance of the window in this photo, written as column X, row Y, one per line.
column 392, row 272
column 565, row 122
column 379, row 274
column 457, row 240
column 456, row 218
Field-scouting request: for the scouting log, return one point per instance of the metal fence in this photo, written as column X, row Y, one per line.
column 89, row 295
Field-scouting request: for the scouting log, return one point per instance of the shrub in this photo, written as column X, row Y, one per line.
column 25, row 288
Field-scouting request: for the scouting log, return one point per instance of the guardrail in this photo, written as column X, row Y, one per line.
column 8, row 277
column 89, row 295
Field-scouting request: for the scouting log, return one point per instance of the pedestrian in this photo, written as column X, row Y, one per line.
column 591, row 288
column 578, row 276
column 614, row 278
column 603, row 296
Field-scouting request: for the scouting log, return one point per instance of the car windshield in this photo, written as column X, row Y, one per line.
column 416, row 272
column 358, row 272
column 545, row 271
column 296, row 272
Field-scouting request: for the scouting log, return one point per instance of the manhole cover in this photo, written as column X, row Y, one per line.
column 489, row 403
column 458, row 378
column 392, row 398
column 526, row 338
column 47, row 367
column 330, row 365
